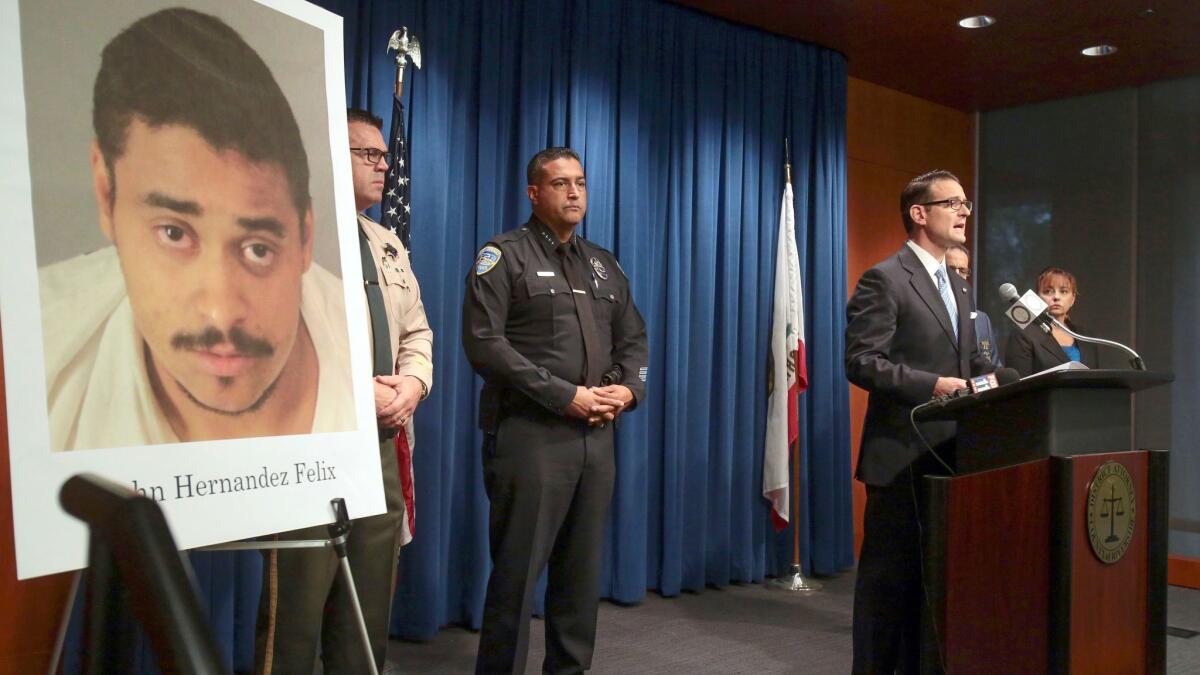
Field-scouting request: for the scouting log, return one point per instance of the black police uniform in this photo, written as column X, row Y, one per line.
column 540, row 318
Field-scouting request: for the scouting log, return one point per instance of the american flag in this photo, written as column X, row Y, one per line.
column 396, row 216
column 395, row 210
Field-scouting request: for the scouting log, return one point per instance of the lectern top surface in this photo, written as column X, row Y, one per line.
column 1130, row 380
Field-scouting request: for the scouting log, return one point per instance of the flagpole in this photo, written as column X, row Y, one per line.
column 795, row 581
column 395, row 211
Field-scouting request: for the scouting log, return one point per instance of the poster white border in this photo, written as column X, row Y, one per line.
column 47, row 539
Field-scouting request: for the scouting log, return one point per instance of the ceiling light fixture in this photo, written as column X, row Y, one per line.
column 1099, row 50
column 981, row 21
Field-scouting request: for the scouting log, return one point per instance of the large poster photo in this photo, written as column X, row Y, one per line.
column 175, row 305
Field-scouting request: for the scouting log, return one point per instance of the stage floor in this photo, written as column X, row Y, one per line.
column 737, row 629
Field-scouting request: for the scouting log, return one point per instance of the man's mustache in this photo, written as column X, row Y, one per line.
column 243, row 342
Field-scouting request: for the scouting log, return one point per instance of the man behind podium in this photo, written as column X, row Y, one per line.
column 909, row 337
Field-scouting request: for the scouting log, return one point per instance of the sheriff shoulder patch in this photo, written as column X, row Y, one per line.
column 488, row 257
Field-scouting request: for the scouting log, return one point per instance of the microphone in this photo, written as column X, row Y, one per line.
column 1025, row 309
column 1007, row 376
column 1030, row 308
column 975, row 385
column 988, row 381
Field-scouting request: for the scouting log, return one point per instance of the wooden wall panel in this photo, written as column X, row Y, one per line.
column 1183, row 571
column 29, row 610
column 906, row 133
column 890, row 138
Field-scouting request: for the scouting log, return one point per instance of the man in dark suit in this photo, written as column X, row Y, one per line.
column 909, row 337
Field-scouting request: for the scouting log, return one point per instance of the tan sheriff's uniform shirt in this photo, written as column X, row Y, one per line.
column 412, row 339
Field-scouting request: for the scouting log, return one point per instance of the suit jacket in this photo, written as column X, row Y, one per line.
column 899, row 341
column 986, row 338
column 1033, row 350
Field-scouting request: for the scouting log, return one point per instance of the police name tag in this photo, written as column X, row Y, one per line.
column 544, row 273
column 488, row 257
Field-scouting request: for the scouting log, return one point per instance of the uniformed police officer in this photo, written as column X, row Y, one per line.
column 304, row 603
column 550, row 324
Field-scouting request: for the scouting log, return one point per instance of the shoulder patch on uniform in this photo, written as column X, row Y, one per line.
column 488, row 257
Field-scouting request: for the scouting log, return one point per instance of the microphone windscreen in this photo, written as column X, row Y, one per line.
column 1007, row 376
column 1009, row 293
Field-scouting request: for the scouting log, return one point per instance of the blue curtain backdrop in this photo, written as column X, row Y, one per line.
column 681, row 120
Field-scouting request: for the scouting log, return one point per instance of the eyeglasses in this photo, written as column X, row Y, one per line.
column 954, row 204
column 964, row 272
column 372, row 155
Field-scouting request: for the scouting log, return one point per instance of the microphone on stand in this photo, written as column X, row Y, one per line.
column 1025, row 309
column 1030, row 308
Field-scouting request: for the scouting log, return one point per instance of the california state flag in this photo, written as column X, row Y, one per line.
column 788, row 376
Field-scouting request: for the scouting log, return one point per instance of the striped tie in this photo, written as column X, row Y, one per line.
column 944, row 291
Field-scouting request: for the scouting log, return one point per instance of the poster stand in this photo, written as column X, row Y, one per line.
column 135, row 571
column 338, row 530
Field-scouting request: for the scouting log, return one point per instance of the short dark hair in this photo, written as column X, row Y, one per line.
column 534, row 170
column 364, row 116
column 179, row 66
column 917, row 191
column 960, row 247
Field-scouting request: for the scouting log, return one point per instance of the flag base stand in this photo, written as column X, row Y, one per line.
column 796, row 582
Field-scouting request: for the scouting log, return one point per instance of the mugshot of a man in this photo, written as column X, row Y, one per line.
column 206, row 318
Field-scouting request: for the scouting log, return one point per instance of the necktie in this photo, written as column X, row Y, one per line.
column 594, row 366
column 381, row 336
column 944, row 291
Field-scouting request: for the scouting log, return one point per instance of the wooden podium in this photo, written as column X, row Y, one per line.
column 1013, row 579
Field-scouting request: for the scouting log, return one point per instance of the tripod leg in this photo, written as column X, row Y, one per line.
column 64, row 624
column 344, row 562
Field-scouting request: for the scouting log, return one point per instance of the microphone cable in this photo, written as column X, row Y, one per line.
column 912, row 420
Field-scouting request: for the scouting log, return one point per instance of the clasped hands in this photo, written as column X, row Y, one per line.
column 599, row 405
column 396, row 399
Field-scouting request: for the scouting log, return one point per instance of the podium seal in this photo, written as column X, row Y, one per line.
column 1111, row 511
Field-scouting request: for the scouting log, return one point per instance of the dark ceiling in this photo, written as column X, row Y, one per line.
column 1032, row 53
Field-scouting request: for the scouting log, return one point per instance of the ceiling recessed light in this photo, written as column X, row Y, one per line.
column 981, row 21
column 1099, row 50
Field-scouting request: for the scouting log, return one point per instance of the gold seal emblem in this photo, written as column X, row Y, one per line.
column 1111, row 511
